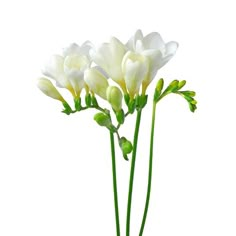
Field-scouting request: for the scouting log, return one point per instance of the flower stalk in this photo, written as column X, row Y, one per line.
column 132, row 169
column 113, row 158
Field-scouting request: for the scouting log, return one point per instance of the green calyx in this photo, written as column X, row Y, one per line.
column 67, row 109
column 77, row 102
column 120, row 116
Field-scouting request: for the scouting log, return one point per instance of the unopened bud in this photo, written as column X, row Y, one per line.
column 102, row 119
column 114, row 97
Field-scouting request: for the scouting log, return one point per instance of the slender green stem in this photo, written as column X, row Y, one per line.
column 131, row 180
column 115, row 184
column 150, row 170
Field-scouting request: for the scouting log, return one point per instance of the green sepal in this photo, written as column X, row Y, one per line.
column 88, row 100
column 131, row 106
column 67, row 109
column 94, row 101
column 77, row 102
column 141, row 101
column 127, row 99
column 120, row 116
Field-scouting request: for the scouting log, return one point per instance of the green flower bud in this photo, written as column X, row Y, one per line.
column 159, row 85
column 188, row 93
column 114, row 97
column 181, row 84
column 173, row 86
column 102, row 119
column 125, row 145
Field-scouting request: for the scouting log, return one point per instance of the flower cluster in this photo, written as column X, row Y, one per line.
column 132, row 66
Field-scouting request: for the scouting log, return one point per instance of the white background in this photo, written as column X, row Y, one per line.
column 55, row 170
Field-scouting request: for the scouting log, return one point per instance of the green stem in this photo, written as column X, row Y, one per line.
column 150, row 170
column 115, row 184
column 131, row 180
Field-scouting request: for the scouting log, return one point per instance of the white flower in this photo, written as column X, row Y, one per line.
column 68, row 70
column 96, row 81
column 135, row 69
column 46, row 86
column 153, row 47
column 114, row 97
column 109, row 57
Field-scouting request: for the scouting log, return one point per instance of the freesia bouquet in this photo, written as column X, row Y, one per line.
column 86, row 71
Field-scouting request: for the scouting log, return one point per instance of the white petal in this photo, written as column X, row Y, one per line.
column 85, row 48
column 76, row 79
column 131, row 44
column 71, row 49
column 153, row 41
column 171, row 48
column 101, row 56
column 54, row 67
column 96, row 81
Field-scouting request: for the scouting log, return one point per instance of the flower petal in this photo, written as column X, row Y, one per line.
column 96, row 81
column 131, row 44
column 153, row 41
column 54, row 67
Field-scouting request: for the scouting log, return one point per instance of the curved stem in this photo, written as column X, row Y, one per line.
column 131, row 180
column 149, row 171
column 115, row 184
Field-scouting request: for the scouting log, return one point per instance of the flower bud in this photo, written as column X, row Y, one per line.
column 114, row 97
column 96, row 81
column 135, row 68
column 102, row 119
column 49, row 89
column 125, row 145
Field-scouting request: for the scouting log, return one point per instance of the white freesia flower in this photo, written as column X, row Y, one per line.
column 68, row 70
column 96, row 81
column 46, row 86
column 109, row 57
column 114, row 97
column 135, row 69
column 153, row 47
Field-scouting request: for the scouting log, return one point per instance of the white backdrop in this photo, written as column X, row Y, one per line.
column 55, row 170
